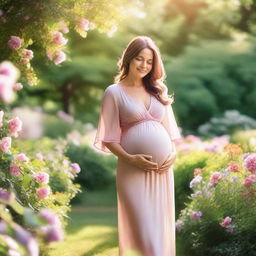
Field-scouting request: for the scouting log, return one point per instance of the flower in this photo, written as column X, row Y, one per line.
column 24, row 60
column 43, row 192
column 22, row 157
column 15, row 42
column 28, row 54
column 63, row 27
column 250, row 163
column 42, row 177
column 50, row 217
column 57, row 57
column 17, row 86
column 75, row 167
column 245, row 155
column 14, row 170
column 249, row 180
column 197, row 171
column 8, row 70
column 53, row 233
column 84, row 24
column 6, row 90
column 215, row 177
column 195, row 181
column 5, row 144
column 39, row 156
column 195, row 215
column 226, row 222
column 179, row 225
column 15, row 126
column 58, row 38
column 6, row 196
column 233, row 167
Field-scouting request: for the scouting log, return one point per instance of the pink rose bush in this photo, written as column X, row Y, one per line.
column 219, row 202
column 15, row 42
column 42, row 177
column 5, row 144
column 15, row 126
column 43, row 192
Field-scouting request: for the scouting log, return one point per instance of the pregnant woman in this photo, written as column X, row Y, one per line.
column 137, row 124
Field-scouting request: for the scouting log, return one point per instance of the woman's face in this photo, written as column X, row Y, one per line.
column 142, row 64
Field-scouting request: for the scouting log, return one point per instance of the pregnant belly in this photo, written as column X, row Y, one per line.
column 149, row 137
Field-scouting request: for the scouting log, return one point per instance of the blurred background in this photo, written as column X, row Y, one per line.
column 209, row 53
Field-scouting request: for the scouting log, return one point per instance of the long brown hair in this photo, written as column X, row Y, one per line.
column 153, row 81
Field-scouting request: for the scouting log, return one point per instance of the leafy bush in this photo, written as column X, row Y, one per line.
column 218, row 220
column 97, row 169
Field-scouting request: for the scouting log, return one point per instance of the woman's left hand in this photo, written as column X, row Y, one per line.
column 167, row 163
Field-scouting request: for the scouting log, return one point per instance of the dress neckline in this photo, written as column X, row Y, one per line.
column 138, row 103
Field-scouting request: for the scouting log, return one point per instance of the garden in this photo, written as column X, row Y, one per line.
column 57, row 191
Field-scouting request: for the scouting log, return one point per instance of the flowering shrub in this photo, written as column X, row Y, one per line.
column 219, row 218
column 29, row 184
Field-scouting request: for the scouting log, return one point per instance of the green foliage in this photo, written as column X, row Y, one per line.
column 183, row 173
column 97, row 170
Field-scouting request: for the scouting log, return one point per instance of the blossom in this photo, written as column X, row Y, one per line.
column 233, row 167
column 195, row 181
column 57, row 57
column 1, row 118
column 6, row 196
column 245, row 155
column 8, row 70
column 43, row 192
column 15, row 126
column 53, row 233
column 6, row 90
column 15, row 42
column 42, row 177
column 39, row 156
column 28, row 54
column 75, row 167
column 215, row 177
column 195, row 215
column 250, row 163
column 249, row 180
column 50, row 217
column 197, row 171
column 5, row 144
column 63, row 27
column 179, row 225
column 14, row 170
column 84, row 24
column 24, row 60
column 17, row 86
column 3, row 227
column 22, row 157
column 226, row 222
column 58, row 38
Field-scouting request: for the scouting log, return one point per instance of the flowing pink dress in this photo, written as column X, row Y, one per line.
column 146, row 209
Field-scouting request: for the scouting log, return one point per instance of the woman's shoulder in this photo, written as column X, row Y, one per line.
column 111, row 89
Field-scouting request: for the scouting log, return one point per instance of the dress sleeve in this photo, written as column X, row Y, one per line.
column 109, row 122
column 169, row 122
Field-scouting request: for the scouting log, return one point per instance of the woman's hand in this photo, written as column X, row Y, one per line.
column 143, row 161
column 167, row 163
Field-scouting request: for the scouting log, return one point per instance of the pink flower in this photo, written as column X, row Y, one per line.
column 226, row 222
column 22, row 157
column 215, row 177
column 15, row 126
column 24, row 60
column 15, row 43
column 39, row 156
column 43, row 192
column 17, row 86
column 60, row 56
column 58, row 38
column 245, row 155
column 233, row 167
column 10, row 71
column 75, row 167
column 53, row 233
column 6, row 196
column 197, row 171
column 196, row 215
column 42, row 177
column 28, row 54
column 1, row 118
column 63, row 27
column 84, row 24
column 6, row 90
column 249, row 180
column 14, row 170
column 250, row 163
column 5, row 144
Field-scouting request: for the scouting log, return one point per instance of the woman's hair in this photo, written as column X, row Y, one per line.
column 153, row 81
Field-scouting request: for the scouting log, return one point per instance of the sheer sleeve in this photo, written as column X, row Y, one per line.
column 109, row 123
column 169, row 122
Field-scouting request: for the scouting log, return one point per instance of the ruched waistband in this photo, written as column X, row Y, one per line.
column 126, row 127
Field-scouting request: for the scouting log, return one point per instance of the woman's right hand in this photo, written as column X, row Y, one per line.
column 143, row 161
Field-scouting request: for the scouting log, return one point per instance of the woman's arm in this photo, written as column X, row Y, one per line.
column 117, row 150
